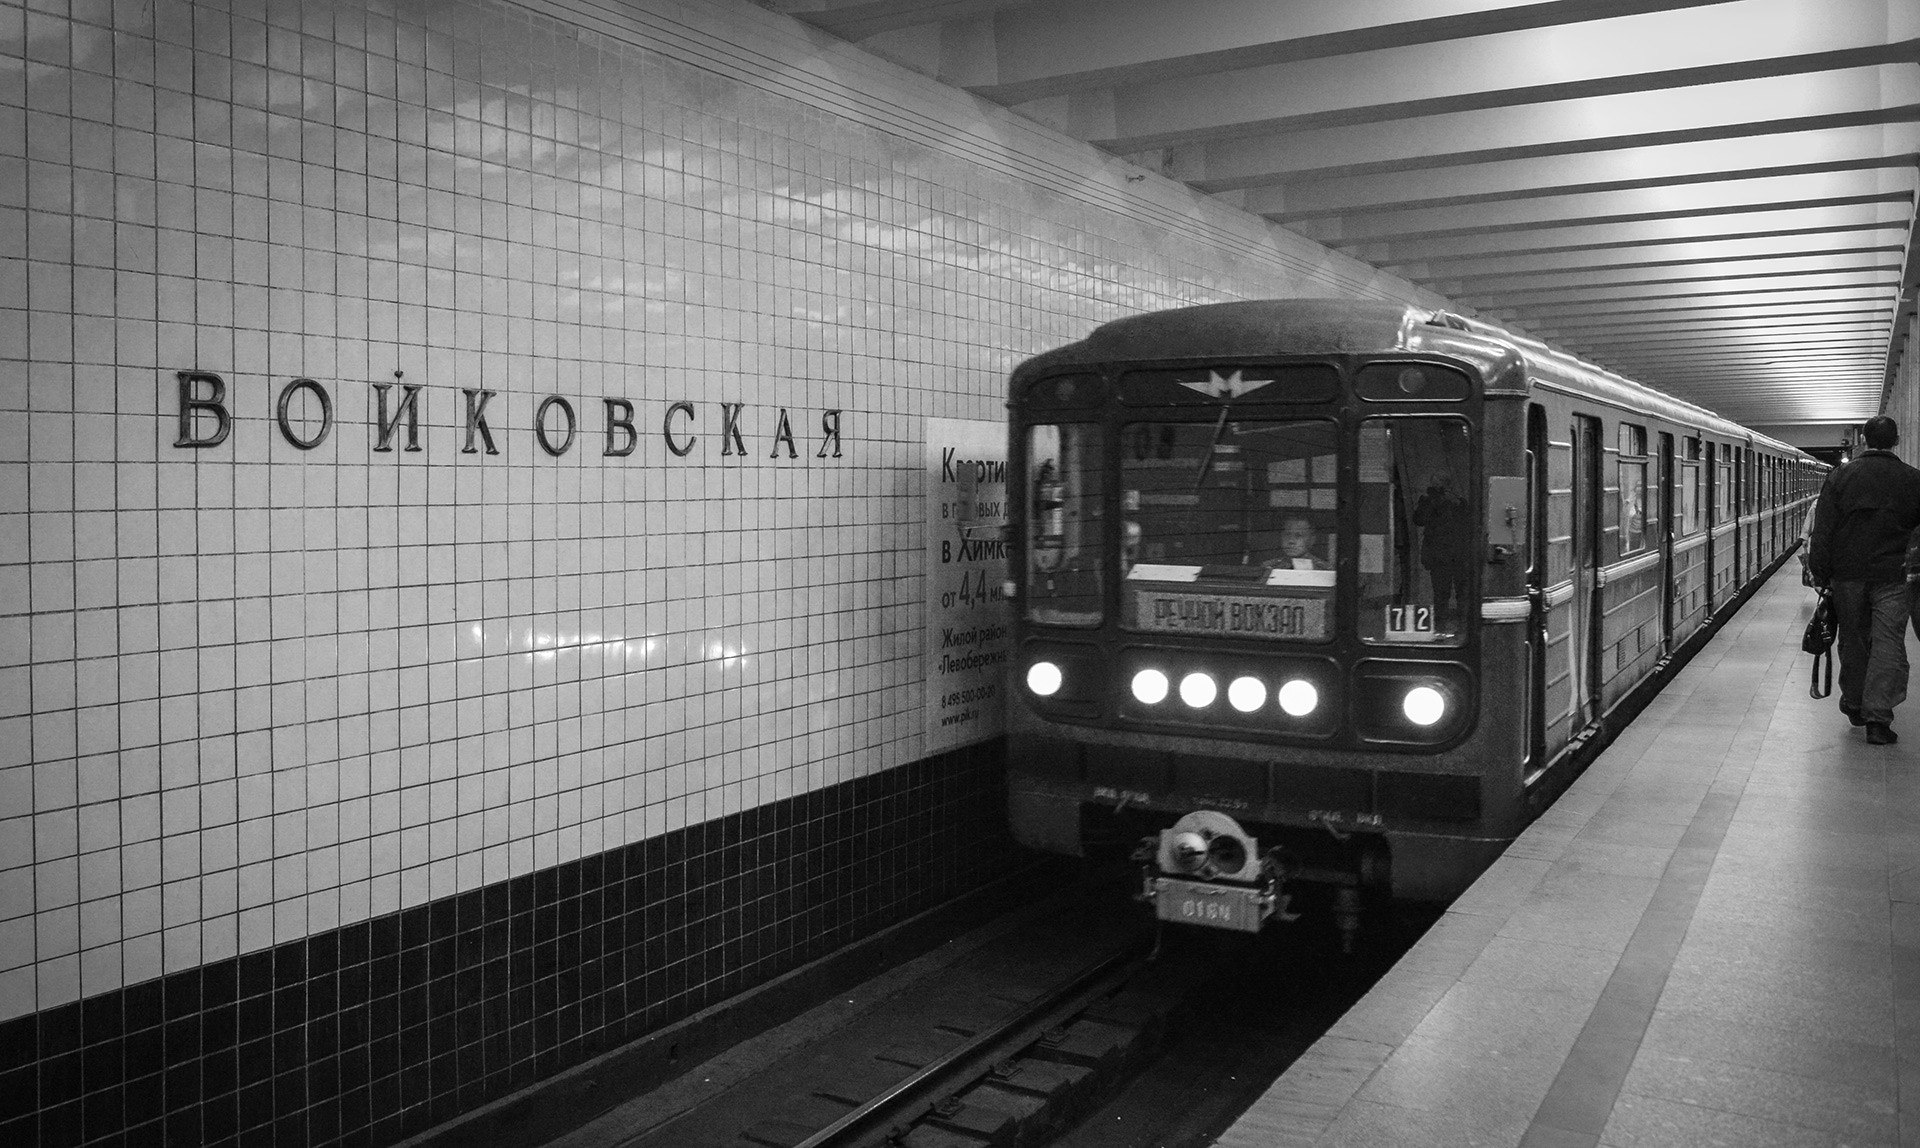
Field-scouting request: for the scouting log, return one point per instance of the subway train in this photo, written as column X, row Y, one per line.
column 1328, row 596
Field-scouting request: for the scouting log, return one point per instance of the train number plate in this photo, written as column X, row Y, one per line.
column 1219, row 906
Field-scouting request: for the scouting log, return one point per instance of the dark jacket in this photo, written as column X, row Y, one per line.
column 1445, row 537
column 1866, row 512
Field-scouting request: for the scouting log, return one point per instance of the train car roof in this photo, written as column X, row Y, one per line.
column 1260, row 328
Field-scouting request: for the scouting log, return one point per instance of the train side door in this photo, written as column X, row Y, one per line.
column 1537, row 487
column 1749, row 535
column 1719, row 541
column 1665, row 486
column 1583, row 646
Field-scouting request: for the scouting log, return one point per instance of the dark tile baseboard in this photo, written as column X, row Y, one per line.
column 384, row 1029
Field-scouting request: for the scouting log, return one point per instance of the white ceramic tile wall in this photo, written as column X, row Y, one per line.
column 249, row 691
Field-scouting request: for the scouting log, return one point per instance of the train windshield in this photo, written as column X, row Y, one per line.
column 1229, row 526
column 1241, row 527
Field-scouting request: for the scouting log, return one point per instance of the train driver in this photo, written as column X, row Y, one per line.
column 1297, row 544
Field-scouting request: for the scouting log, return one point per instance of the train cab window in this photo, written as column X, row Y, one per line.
column 1230, row 512
column 1417, row 549
column 1637, row 516
column 1064, row 496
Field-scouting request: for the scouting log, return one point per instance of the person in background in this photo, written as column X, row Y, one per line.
column 1806, row 548
column 1865, row 514
column 1445, row 538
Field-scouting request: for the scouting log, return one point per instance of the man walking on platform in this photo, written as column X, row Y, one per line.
column 1860, row 526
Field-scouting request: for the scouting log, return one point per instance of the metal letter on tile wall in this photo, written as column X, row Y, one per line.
column 202, row 395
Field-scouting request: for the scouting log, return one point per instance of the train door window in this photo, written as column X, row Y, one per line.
column 1418, row 540
column 1636, row 513
column 1723, row 486
column 1689, row 489
column 1064, row 494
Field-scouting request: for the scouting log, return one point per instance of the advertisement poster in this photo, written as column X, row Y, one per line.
column 968, row 643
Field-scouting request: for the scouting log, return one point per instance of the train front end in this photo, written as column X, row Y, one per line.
column 1250, row 549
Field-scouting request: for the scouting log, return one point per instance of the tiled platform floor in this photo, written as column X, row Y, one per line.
column 1712, row 939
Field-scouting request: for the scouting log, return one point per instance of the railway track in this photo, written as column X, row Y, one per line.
column 1025, row 1078
column 994, row 1045
column 1059, row 1016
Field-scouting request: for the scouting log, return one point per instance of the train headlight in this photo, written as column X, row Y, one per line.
column 1424, row 705
column 1198, row 690
column 1150, row 687
column 1044, row 679
column 1247, row 694
column 1298, row 698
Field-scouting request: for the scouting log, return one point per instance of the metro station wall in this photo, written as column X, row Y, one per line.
column 368, row 750
column 1902, row 400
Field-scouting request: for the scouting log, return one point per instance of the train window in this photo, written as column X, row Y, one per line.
column 1064, row 494
column 1633, row 440
column 1229, row 526
column 1723, row 490
column 1690, row 507
column 1635, row 528
column 1418, row 544
column 1411, row 382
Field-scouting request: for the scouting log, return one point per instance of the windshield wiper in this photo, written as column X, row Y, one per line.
column 1213, row 448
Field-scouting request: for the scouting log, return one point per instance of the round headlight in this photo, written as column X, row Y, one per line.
column 1043, row 678
column 1299, row 698
column 1198, row 690
column 1424, row 705
column 1247, row 694
column 1150, row 687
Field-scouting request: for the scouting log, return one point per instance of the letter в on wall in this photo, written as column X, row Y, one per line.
column 215, row 405
column 620, row 418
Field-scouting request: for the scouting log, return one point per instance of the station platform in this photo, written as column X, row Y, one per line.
column 1713, row 938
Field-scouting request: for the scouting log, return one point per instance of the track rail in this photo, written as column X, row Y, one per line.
column 936, row 1086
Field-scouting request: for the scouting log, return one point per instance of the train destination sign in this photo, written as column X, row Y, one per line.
column 1231, row 615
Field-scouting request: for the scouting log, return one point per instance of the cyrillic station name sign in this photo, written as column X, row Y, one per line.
column 205, row 421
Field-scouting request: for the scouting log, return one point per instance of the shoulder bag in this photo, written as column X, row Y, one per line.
column 1818, row 641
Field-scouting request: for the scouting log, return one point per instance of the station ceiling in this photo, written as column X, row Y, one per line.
column 1714, row 198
